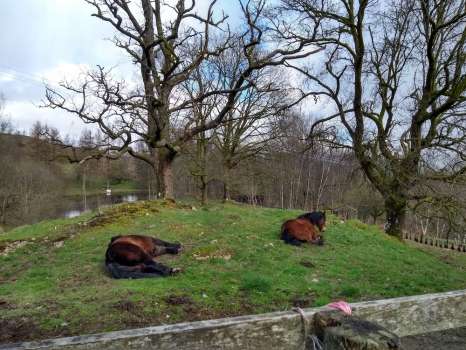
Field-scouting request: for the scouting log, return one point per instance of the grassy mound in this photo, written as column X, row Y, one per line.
column 53, row 282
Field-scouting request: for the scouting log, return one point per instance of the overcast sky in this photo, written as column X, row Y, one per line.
column 51, row 39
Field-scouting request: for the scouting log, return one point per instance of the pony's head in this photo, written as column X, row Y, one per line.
column 320, row 240
column 316, row 218
column 320, row 220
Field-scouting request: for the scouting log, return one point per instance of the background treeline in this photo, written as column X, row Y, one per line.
column 283, row 171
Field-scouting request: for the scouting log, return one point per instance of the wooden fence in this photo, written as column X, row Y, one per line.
column 419, row 314
column 453, row 244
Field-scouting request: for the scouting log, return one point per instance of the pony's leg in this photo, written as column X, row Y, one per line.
column 158, row 268
column 290, row 240
column 319, row 241
column 121, row 271
column 294, row 241
column 165, row 247
column 165, row 243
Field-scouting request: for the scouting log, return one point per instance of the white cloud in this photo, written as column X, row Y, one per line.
column 64, row 70
column 23, row 115
column 60, row 40
column 6, row 77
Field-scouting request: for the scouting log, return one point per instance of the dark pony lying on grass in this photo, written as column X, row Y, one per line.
column 306, row 228
column 132, row 256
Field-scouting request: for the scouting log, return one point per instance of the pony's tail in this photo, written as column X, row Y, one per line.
column 114, row 238
column 108, row 256
column 285, row 236
column 283, row 232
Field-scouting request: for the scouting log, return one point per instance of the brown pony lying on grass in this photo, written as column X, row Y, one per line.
column 306, row 228
column 132, row 256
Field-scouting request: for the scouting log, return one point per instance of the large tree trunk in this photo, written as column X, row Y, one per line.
column 203, row 191
column 166, row 179
column 201, row 156
column 3, row 212
column 226, row 183
column 84, row 191
column 165, row 174
column 203, row 187
column 395, row 208
column 394, row 195
column 226, row 190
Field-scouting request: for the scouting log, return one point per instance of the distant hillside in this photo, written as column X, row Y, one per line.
column 36, row 175
column 23, row 146
column 17, row 143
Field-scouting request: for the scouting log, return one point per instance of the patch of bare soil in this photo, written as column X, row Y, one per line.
column 219, row 254
column 128, row 306
column 18, row 329
column 10, row 247
column 178, row 300
column 13, row 330
column 55, row 239
column 194, row 312
column 5, row 305
column 307, row 263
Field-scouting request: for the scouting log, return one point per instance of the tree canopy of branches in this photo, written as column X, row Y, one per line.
column 166, row 54
column 394, row 74
column 253, row 121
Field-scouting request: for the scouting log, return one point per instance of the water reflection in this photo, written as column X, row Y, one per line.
column 72, row 214
column 129, row 198
column 75, row 206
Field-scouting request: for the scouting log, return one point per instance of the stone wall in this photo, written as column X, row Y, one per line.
column 279, row 330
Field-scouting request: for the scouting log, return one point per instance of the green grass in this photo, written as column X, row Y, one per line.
column 233, row 264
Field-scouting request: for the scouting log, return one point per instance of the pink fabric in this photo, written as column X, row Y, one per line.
column 341, row 305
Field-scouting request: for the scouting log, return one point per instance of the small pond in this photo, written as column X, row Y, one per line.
column 69, row 207
column 75, row 206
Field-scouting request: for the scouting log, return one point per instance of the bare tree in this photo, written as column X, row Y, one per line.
column 166, row 53
column 395, row 76
column 8, row 194
column 247, row 127
column 27, row 187
column 41, row 147
column 253, row 121
column 5, row 123
column 205, row 78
